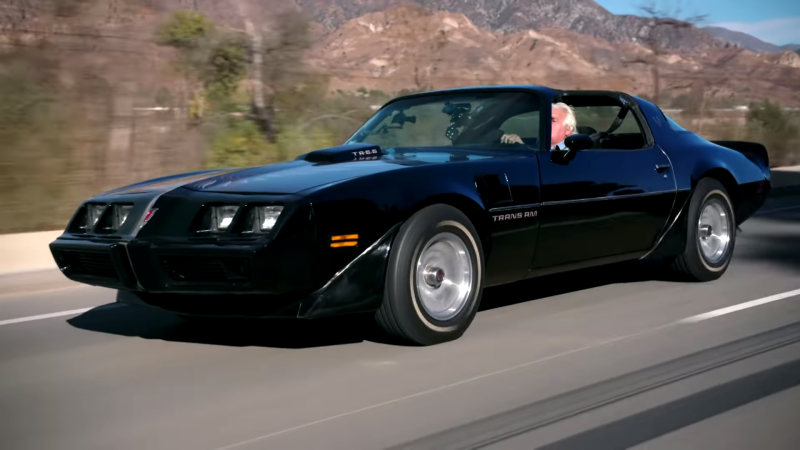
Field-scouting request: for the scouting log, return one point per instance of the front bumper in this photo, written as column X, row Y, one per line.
column 253, row 278
column 176, row 268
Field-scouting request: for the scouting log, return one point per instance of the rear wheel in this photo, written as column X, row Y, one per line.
column 434, row 278
column 710, row 234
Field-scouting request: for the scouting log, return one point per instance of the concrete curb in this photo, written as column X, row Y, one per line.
column 29, row 252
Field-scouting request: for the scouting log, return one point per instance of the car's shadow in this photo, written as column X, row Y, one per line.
column 777, row 241
column 150, row 323
column 574, row 281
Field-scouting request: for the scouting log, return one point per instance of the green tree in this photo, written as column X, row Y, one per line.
column 224, row 72
column 239, row 144
column 286, row 110
column 213, row 61
column 186, row 29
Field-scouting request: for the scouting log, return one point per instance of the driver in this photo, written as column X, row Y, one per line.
column 563, row 125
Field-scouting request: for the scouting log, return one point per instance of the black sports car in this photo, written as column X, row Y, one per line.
column 421, row 209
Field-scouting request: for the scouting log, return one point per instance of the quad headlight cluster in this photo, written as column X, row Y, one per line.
column 255, row 220
column 103, row 218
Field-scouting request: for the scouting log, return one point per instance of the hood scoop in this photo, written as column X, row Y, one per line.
column 343, row 153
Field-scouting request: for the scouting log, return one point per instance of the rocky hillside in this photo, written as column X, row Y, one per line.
column 407, row 46
column 511, row 16
column 428, row 44
column 749, row 42
column 744, row 40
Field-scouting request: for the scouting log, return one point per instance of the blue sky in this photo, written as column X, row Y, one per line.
column 773, row 21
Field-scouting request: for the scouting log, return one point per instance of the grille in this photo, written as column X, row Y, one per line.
column 206, row 269
column 90, row 263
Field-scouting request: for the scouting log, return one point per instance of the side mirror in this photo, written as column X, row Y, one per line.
column 578, row 142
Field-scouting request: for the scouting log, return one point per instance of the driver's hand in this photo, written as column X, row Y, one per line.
column 511, row 139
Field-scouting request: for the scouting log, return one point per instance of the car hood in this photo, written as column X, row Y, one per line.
column 288, row 177
column 168, row 183
column 308, row 171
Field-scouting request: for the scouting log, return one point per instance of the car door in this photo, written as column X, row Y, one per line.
column 606, row 203
column 509, row 188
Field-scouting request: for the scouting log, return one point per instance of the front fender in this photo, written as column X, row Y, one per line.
column 356, row 288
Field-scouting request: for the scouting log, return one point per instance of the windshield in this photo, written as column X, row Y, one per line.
column 455, row 120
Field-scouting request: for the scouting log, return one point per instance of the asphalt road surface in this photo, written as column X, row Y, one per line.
column 619, row 357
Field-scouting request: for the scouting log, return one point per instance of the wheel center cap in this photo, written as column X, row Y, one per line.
column 434, row 276
column 705, row 231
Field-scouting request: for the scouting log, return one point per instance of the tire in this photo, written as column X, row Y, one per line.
column 694, row 263
column 403, row 314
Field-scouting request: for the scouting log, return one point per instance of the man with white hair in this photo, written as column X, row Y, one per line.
column 563, row 124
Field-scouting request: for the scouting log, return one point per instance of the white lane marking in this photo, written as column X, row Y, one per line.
column 740, row 306
column 45, row 316
column 15, row 295
column 687, row 320
column 774, row 210
column 443, row 387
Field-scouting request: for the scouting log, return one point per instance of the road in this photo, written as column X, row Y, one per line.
column 591, row 359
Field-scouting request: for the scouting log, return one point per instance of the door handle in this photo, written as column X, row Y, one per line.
column 661, row 168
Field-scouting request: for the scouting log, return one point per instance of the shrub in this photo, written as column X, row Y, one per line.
column 770, row 124
column 185, row 29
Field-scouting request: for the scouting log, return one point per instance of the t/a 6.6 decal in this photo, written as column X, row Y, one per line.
column 515, row 216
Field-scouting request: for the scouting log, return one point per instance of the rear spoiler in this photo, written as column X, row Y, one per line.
column 751, row 150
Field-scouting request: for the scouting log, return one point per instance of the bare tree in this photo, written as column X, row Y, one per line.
column 276, row 60
column 662, row 26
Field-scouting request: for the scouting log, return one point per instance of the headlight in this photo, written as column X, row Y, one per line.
column 120, row 215
column 104, row 218
column 89, row 215
column 261, row 219
column 218, row 218
column 93, row 213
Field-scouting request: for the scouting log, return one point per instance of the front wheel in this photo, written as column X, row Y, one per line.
column 710, row 234
column 434, row 278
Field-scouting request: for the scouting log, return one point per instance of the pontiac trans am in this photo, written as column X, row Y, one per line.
column 421, row 209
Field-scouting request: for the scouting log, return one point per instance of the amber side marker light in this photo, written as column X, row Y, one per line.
column 344, row 240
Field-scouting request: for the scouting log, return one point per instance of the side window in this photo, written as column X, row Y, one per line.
column 594, row 119
column 524, row 125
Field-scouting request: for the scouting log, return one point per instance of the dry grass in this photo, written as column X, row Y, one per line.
column 105, row 138
column 783, row 150
column 81, row 114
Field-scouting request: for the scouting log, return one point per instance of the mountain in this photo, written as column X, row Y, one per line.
column 749, row 42
column 563, row 43
column 512, row 16
column 745, row 40
column 410, row 47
